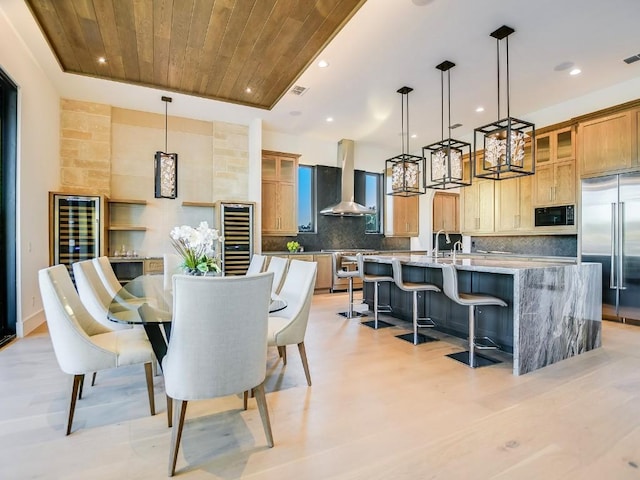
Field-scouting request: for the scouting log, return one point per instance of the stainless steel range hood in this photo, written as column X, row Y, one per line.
column 347, row 207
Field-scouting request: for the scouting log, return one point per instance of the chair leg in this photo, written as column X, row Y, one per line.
column 81, row 386
column 472, row 335
column 245, row 399
column 169, row 411
column 93, row 378
column 305, row 364
column 282, row 351
column 415, row 317
column 264, row 412
column 176, row 434
column 75, row 387
column 375, row 305
column 148, row 370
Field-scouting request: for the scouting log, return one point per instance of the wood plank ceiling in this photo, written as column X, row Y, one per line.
column 210, row 48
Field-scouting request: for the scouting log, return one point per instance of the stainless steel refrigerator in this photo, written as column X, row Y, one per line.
column 610, row 234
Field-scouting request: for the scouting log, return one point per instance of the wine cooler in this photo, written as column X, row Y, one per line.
column 236, row 226
column 76, row 228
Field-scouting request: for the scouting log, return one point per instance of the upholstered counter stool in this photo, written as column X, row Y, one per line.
column 336, row 258
column 472, row 300
column 376, row 280
column 414, row 288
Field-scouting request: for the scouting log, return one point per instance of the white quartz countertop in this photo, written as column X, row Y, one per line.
column 470, row 262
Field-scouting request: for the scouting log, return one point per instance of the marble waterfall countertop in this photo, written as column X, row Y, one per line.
column 554, row 307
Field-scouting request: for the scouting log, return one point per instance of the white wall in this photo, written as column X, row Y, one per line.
column 38, row 167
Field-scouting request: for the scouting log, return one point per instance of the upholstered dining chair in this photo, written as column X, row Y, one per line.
column 290, row 325
column 171, row 266
column 107, row 275
column 218, row 344
column 277, row 265
column 93, row 294
column 81, row 344
column 256, row 265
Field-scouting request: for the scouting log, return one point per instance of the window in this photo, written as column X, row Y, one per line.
column 373, row 199
column 306, row 199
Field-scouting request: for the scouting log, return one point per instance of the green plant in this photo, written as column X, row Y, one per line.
column 293, row 246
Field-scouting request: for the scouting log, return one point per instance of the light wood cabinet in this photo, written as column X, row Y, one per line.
column 555, row 177
column 609, row 144
column 404, row 217
column 125, row 219
column 478, row 207
column 323, row 277
column 513, row 208
column 446, row 208
column 279, row 193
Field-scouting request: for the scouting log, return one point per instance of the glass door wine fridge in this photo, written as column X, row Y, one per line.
column 76, row 228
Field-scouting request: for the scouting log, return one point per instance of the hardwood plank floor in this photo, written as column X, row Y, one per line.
column 379, row 408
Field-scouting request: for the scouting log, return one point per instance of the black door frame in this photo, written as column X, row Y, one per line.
column 8, row 200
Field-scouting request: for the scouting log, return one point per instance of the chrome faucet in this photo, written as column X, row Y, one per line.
column 455, row 249
column 436, row 251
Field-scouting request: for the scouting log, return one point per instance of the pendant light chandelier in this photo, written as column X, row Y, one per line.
column 506, row 141
column 447, row 166
column 166, row 165
column 407, row 171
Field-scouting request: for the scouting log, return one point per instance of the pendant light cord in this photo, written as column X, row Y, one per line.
column 449, row 101
column 507, row 68
column 165, row 125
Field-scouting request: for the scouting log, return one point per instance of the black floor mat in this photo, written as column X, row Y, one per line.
column 381, row 324
column 422, row 338
column 480, row 360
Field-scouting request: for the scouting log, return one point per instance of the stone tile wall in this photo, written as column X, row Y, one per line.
column 85, row 147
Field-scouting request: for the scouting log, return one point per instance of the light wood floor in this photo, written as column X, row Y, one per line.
column 379, row 408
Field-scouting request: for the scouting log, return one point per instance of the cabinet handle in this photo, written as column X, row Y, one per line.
column 551, row 194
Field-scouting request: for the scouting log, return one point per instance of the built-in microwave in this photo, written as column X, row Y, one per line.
column 554, row 216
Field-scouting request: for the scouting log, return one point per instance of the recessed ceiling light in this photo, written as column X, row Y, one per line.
column 479, row 109
column 323, row 64
column 329, row 119
column 102, row 60
column 575, row 71
column 295, row 113
column 413, row 135
column 248, row 89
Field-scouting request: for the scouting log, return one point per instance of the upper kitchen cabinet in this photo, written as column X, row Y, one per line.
column 478, row 207
column 446, row 207
column 279, row 193
column 401, row 219
column 608, row 144
column 513, row 207
column 555, row 177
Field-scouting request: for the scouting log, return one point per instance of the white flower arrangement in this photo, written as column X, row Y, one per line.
column 198, row 247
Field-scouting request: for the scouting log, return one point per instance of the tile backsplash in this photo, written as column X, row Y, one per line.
column 551, row 245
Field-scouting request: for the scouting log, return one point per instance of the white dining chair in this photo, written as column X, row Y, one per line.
column 218, row 344
column 94, row 295
column 81, row 344
column 289, row 326
column 107, row 275
column 172, row 265
column 256, row 265
column 277, row 265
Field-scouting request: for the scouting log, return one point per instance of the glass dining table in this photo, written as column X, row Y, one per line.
column 145, row 301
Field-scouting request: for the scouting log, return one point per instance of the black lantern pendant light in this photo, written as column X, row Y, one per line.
column 166, row 165
column 447, row 166
column 407, row 171
column 505, row 142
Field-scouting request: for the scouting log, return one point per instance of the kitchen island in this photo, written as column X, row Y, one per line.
column 554, row 309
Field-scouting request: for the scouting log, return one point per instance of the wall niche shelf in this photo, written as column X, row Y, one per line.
column 128, row 201
column 199, row 204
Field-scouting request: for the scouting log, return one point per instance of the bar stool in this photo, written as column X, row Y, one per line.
column 375, row 279
column 450, row 287
column 349, row 274
column 414, row 287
